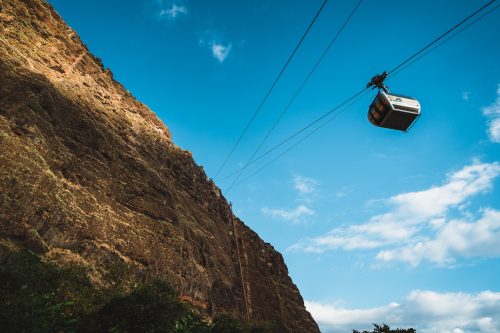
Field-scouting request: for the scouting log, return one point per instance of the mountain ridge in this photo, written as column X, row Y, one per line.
column 91, row 175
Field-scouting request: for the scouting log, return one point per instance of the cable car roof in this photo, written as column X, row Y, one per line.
column 399, row 95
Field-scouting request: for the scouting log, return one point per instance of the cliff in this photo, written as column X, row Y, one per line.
column 89, row 175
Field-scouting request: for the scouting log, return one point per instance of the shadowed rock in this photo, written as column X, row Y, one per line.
column 88, row 174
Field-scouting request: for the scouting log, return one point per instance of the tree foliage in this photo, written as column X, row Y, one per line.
column 40, row 297
column 384, row 328
column 37, row 297
column 227, row 324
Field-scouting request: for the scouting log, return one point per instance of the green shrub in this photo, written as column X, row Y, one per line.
column 384, row 328
column 227, row 324
column 40, row 297
column 151, row 308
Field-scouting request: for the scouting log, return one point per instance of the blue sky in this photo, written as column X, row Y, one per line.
column 375, row 225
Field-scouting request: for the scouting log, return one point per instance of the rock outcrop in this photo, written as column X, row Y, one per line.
column 90, row 175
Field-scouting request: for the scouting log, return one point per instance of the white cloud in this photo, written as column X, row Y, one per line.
column 220, row 51
column 412, row 215
column 494, row 108
column 456, row 238
column 494, row 129
column 344, row 191
column 213, row 39
column 493, row 113
column 335, row 318
column 174, row 11
column 413, row 207
column 293, row 215
column 304, row 185
column 465, row 95
column 426, row 311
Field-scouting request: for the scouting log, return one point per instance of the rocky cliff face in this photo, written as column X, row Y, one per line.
column 90, row 175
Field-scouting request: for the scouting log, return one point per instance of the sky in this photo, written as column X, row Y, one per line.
column 375, row 225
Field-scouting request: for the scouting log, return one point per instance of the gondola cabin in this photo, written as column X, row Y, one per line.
column 393, row 111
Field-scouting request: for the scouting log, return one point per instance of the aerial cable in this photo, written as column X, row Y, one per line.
column 301, row 140
column 271, row 89
column 360, row 92
column 314, row 122
column 442, row 36
column 444, row 41
column 304, row 82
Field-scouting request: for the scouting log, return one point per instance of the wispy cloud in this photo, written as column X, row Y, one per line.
column 304, row 185
column 456, row 238
column 335, row 318
column 293, row 215
column 217, row 43
column 426, row 311
column 173, row 11
column 306, row 189
column 220, row 51
column 465, row 95
column 413, row 215
column 344, row 191
column 493, row 113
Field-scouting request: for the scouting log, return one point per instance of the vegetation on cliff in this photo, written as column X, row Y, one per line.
column 41, row 297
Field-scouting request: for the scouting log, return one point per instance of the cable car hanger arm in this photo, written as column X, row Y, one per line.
column 378, row 82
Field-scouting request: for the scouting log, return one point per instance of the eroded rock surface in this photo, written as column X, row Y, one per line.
column 90, row 175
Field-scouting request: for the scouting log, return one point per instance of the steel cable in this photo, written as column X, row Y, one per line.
column 405, row 62
column 304, row 82
column 271, row 89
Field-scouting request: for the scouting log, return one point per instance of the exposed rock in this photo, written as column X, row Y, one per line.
column 89, row 174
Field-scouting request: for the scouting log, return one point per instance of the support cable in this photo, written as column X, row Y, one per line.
column 311, row 72
column 243, row 285
column 314, row 122
column 443, row 35
column 405, row 62
column 270, row 89
column 444, row 41
column 301, row 140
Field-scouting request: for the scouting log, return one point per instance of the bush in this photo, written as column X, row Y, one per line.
column 151, row 308
column 40, row 297
column 386, row 329
column 227, row 324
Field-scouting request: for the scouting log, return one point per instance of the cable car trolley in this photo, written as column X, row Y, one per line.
column 390, row 110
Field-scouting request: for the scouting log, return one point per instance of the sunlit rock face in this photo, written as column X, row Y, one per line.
column 90, row 175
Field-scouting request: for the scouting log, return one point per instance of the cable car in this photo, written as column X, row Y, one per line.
column 393, row 111
column 389, row 110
